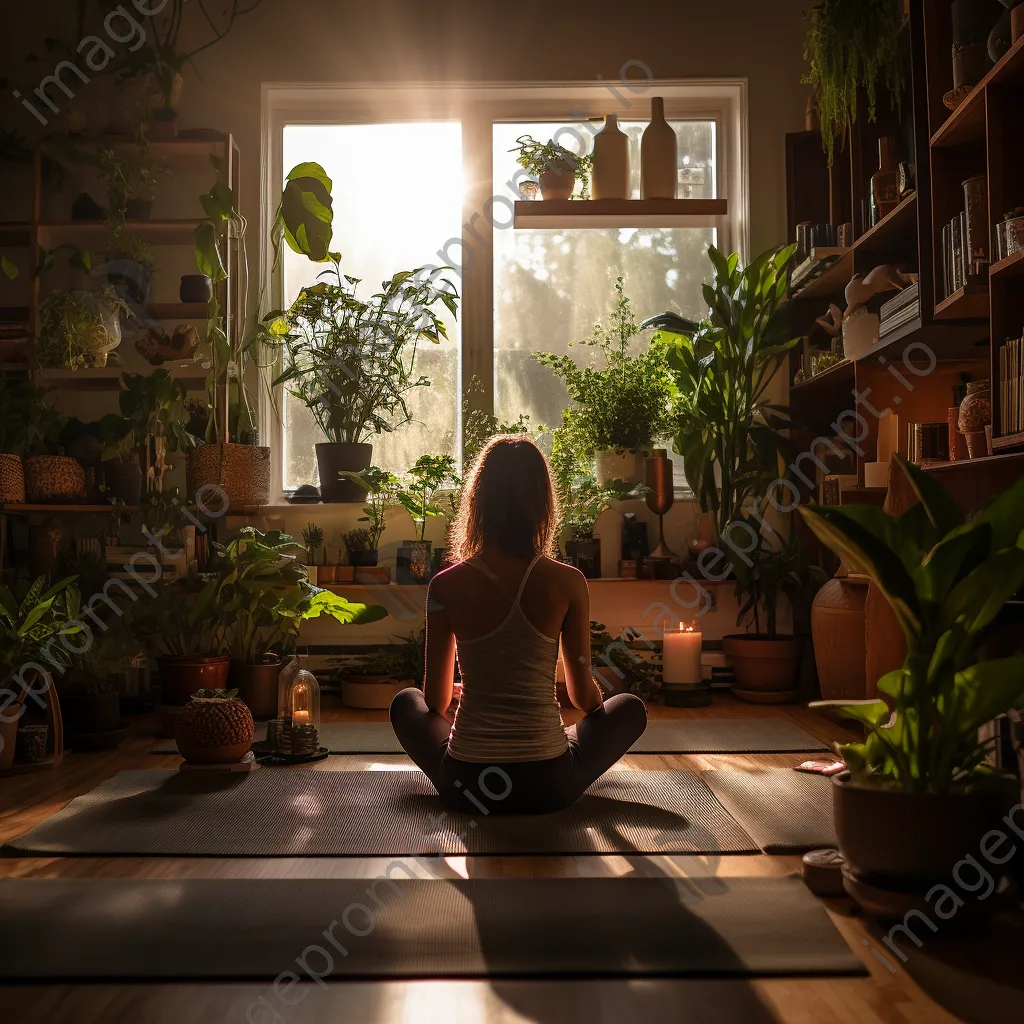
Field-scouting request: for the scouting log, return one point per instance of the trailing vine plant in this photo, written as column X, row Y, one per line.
column 852, row 44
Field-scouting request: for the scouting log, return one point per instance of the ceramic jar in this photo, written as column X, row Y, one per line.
column 976, row 408
column 611, row 162
column 1014, row 228
column 659, row 167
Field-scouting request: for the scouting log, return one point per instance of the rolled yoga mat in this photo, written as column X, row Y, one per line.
column 75, row 930
column 784, row 811
column 293, row 812
column 692, row 736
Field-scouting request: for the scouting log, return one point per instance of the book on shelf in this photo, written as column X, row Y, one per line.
column 833, row 485
column 1011, row 387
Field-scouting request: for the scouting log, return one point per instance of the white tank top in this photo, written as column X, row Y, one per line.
column 508, row 710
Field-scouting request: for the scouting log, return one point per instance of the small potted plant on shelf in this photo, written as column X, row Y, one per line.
column 313, row 538
column 920, row 791
column 27, row 423
column 382, row 491
column 557, row 168
column 766, row 663
column 418, row 496
column 78, row 329
column 625, row 407
column 31, row 623
column 353, row 364
column 260, row 595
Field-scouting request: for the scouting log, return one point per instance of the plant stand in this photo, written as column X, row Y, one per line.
column 9, row 765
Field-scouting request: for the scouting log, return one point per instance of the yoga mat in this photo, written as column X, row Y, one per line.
column 725, row 736
column 294, row 812
column 784, row 811
column 695, row 736
column 73, row 930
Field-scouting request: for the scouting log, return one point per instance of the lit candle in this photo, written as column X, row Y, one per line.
column 300, row 718
column 681, row 656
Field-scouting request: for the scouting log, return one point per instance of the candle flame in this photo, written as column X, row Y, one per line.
column 685, row 629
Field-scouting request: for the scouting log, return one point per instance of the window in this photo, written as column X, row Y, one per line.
column 421, row 177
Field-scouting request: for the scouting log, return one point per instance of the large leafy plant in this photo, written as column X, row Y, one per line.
column 946, row 579
column 850, row 45
column 625, row 404
column 261, row 595
column 722, row 369
column 31, row 624
column 352, row 362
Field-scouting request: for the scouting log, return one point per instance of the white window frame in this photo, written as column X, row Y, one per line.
column 478, row 107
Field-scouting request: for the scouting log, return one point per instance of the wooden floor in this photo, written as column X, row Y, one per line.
column 951, row 978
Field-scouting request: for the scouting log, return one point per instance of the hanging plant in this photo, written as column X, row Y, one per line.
column 852, row 44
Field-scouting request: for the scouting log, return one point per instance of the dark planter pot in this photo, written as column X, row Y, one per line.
column 911, row 841
column 765, row 667
column 131, row 281
column 438, row 561
column 138, row 209
column 123, row 479
column 195, row 288
column 181, row 677
column 91, row 713
column 363, row 558
column 585, row 554
column 257, row 686
column 331, row 459
column 413, row 566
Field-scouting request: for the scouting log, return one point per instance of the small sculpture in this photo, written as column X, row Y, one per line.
column 832, row 322
column 861, row 289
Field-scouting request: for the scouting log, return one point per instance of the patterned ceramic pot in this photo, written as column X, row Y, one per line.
column 976, row 408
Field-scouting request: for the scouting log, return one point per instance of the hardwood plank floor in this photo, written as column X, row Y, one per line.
column 953, row 977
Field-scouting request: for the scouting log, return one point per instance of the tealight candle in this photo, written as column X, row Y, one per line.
column 681, row 650
column 300, row 718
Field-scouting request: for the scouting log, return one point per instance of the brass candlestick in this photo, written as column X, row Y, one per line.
column 660, row 496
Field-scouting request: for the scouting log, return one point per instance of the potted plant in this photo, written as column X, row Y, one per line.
column 27, row 423
column 313, row 538
column 382, row 490
column 850, row 45
column 417, row 496
column 765, row 663
column 260, row 595
column 372, row 680
column 722, row 369
column 353, row 364
column 920, row 792
column 214, row 727
column 626, row 674
column 557, row 168
column 78, row 329
column 31, row 622
column 623, row 408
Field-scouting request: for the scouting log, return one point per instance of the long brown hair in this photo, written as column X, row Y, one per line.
column 507, row 502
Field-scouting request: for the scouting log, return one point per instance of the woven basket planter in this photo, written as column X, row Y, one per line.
column 242, row 471
column 12, row 481
column 53, row 478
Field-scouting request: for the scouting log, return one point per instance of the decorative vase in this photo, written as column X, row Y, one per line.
column 976, row 207
column 53, row 478
column 334, row 458
column 838, row 630
column 12, row 481
column 705, row 535
column 625, row 466
column 976, row 408
column 659, row 166
column 885, row 182
column 610, row 177
column 557, row 183
column 240, row 471
column 413, row 567
column 216, row 729
column 103, row 342
column 195, row 288
column 660, row 496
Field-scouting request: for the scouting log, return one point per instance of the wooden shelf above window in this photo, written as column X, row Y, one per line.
column 619, row 213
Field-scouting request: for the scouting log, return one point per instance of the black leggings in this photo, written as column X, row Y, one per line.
column 517, row 787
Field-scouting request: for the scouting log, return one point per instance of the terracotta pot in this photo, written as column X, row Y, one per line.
column 325, row 574
column 257, row 686
column 910, row 841
column 837, row 626
column 885, row 647
column 181, row 677
column 344, row 573
column 12, row 481
column 557, row 184
column 331, row 459
column 761, row 664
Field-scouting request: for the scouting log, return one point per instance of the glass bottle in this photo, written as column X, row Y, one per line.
column 885, row 183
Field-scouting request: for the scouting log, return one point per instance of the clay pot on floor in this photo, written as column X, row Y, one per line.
column 765, row 667
column 837, row 626
column 257, row 686
column 181, row 677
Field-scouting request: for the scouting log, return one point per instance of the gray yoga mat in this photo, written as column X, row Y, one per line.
column 783, row 811
column 692, row 736
column 74, row 930
column 294, row 812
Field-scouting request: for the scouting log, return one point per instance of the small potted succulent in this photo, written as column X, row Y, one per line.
column 557, row 168
column 418, row 496
column 214, row 727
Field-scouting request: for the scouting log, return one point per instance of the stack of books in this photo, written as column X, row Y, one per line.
column 955, row 263
column 901, row 309
column 1011, row 387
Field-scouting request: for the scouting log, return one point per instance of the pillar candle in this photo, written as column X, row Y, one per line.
column 681, row 656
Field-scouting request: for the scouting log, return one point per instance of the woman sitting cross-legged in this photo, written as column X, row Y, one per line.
column 502, row 610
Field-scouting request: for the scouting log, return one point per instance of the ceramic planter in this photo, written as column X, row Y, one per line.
column 181, row 677
column 53, row 478
column 628, row 467
column 838, row 628
column 413, row 562
column 257, row 686
column 372, row 692
column 911, row 841
column 334, row 458
column 557, row 183
column 765, row 668
column 195, row 288
column 12, row 481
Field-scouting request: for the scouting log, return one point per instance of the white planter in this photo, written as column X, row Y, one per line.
column 375, row 692
column 628, row 467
